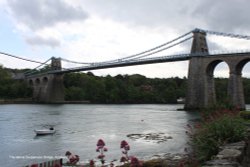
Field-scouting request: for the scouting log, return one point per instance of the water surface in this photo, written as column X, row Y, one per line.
column 80, row 126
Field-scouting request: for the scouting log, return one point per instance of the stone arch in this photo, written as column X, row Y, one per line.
column 31, row 82
column 212, row 65
column 240, row 66
column 211, row 93
column 45, row 79
column 37, row 81
column 241, row 88
column 218, row 87
column 235, row 86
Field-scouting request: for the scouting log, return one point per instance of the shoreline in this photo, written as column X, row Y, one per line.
column 166, row 160
column 8, row 101
column 22, row 101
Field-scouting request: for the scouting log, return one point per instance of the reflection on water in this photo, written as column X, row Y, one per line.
column 78, row 127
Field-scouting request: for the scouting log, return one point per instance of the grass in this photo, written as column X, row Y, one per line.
column 216, row 128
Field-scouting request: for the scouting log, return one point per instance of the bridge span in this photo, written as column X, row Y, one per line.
column 48, row 87
column 155, row 60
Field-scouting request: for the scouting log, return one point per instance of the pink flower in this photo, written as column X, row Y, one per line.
column 123, row 159
column 126, row 147
column 123, row 143
column 100, row 143
column 101, row 156
column 99, row 148
column 34, row 165
column 91, row 163
column 105, row 149
column 134, row 162
column 125, row 152
column 112, row 164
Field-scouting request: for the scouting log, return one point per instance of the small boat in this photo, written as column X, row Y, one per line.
column 181, row 100
column 45, row 131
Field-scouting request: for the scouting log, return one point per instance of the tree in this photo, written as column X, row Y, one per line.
column 10, row 88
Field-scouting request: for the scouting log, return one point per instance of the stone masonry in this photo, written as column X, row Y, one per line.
column 201, row 91
column 48, row 88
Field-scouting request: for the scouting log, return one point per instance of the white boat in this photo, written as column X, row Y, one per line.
column 181, row 100
column 45, row 131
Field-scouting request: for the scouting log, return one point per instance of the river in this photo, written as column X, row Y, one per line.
column 78, row 127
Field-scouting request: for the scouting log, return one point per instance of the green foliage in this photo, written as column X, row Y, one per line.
column 10, row 89
column 245, row 115
column 246, row 85
column 119, row 89
column 221, row 86
column 4, row 75
column 216, row 129
column 221, row 89
column 123, row 89
column 138, row 89
column 74, row 93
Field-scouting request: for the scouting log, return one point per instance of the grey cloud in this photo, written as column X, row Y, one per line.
column 220, row 15
column 51, row 42
column 42, row 13
column 149, row 13
column 212, row 46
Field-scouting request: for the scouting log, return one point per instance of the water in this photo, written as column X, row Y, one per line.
column 80, row 126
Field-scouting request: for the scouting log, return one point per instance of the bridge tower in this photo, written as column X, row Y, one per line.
column 200, row 92
column 56, row 63
column 48, row 88
column 201, row 89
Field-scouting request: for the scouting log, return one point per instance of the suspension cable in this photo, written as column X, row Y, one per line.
column 71, row 61
column 157, row 47
column 134, row 55
column 184, row 40
column 149, row 50
column 224, row 34
column 30, row 71
column 17, row 57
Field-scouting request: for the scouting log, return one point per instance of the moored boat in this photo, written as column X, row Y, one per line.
column 181, row 100
column 45, row 131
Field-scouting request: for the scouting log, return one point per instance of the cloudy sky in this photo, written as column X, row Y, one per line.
column 101, row 30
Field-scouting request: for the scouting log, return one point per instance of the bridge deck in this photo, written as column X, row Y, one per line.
column 163, row 59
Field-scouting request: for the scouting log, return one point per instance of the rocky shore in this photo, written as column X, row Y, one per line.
column 230, row 155
column 153, row 137
column 166, row 160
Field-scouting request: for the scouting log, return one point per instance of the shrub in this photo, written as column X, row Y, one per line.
column 245, row 114
column 214, row 130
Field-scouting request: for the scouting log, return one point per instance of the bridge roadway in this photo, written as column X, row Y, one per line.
column 133, row 62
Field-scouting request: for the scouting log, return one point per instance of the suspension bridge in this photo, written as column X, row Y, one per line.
column 48, row 84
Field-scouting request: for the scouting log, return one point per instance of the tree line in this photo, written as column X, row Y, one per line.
column 136, row 88
column 119, row 89
column 123, row 88
column 10, row 88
